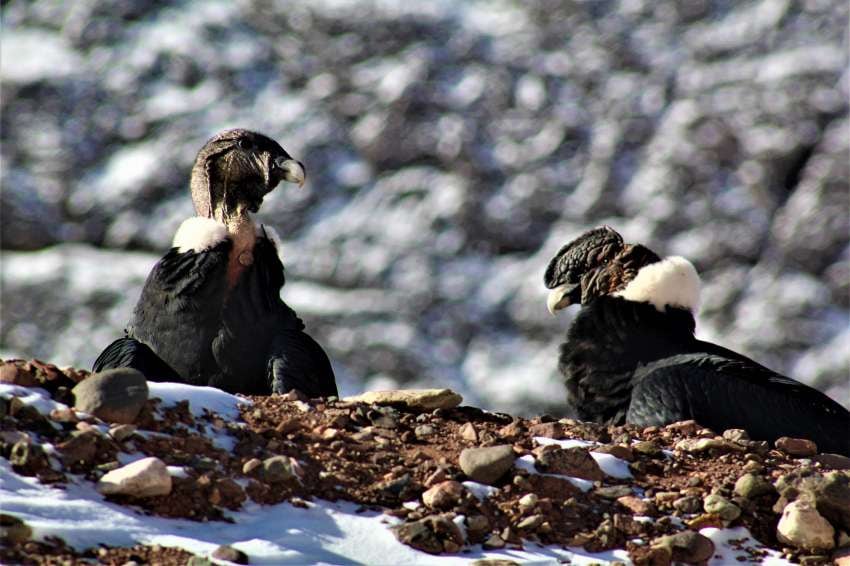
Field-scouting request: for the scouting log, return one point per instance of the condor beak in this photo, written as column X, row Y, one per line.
column 561, row 297
column 293, row 171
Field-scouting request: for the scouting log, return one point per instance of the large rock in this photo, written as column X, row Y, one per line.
column 489, row 464
column 802, row 526
column 147, row 477
column 115, row 395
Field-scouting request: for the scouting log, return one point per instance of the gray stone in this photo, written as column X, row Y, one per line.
column 433, row 534
column 122, row 432
column 115, row 395
column 697, row 445
column 751, row 485
column 489, row 464
column 468, row 432
column 277, row 469
column 802, row 526
column 575, row 462
column 688, row 504
column 613, row 491
column 799, row 447
column 718, row 505
column 147, row 477
column 13, row 530
column 423, row 431
column 443, row 495
column 830, row 493
column 531, row 522
column 687, row 546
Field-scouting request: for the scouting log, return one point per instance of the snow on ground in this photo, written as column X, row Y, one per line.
column 322, row 533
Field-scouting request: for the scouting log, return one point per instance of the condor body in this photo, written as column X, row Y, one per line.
column 631, row 355
column 210, row 312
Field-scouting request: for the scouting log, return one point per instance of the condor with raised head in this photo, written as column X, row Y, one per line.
column 631, row 355
column 210, row 312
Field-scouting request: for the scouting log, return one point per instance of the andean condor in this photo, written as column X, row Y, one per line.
column 631, row 355
column 210, row 312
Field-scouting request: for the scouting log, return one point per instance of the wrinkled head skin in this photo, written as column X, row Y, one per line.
column 596, row 263
column 236, row 169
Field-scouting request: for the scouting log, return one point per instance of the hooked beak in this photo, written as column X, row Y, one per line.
column 561, row 297
column 293, row 171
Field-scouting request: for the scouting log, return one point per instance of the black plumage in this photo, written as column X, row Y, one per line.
column 631, row 355
column 210, row 312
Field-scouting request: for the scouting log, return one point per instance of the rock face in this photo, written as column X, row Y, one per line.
column 147, row 477
column 115, row 395
column 449, row 154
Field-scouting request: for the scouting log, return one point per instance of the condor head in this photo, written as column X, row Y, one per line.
column 236, row 169
column 599, row 263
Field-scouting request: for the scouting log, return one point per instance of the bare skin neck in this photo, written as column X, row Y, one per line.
column 243, row 233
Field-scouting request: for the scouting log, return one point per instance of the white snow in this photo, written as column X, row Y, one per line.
column 200, row 398
column 527, row 463
column 480, row 490
column 727, row 553
column 30, row 55
column 33, row 396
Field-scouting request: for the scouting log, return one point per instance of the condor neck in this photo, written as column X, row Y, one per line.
column 243, row 233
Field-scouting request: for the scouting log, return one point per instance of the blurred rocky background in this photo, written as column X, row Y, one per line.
column 451, row 147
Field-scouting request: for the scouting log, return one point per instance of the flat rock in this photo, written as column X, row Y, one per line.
column 487, row 465
column 147, row 477
column 114, row 396
column 420, row 399
column 574, row 462
column 802, row 526
column 696, row 445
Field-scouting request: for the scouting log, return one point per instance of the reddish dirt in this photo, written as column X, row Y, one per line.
column 381, row 457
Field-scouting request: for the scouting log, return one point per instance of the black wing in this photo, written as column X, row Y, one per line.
column 298, row 362
column 129, row 353
column 179, row 309
column 723, row 393
column 262, row 343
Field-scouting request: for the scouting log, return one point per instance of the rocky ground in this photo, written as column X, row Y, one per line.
column 455, row 476
column 451, row 149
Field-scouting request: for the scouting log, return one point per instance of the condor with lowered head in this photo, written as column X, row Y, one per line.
column 631, row 355
column 210, row 312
